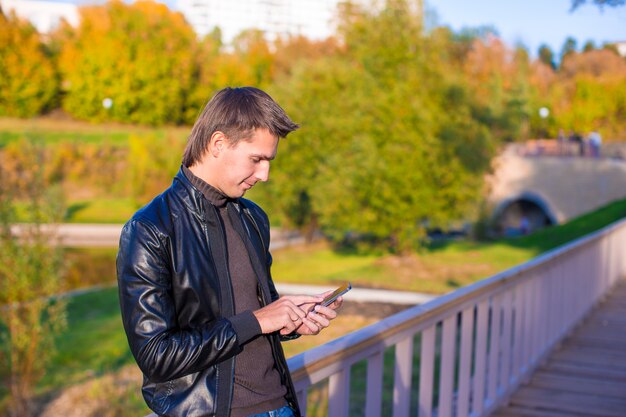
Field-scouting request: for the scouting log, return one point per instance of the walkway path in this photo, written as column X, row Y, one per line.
column 108, row 235
column 586, row 375
column 363, row 295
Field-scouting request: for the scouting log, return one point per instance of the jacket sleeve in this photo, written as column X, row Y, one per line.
column 162, row 350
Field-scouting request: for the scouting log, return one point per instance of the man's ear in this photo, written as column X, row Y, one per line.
column 217, row 144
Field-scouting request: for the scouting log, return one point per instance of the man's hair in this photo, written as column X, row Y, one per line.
column 236, row 112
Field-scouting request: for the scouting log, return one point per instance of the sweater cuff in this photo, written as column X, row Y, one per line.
column 246, row 326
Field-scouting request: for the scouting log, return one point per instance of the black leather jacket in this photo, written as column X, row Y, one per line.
column 177, row 302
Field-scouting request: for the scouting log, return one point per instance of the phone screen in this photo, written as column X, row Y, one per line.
column 336, row 294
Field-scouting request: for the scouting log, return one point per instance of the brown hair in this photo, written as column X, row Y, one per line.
column 236, row 112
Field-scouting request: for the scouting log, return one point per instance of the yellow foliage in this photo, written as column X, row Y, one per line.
column 589, row 93
column 28, row 81
column 140, row 56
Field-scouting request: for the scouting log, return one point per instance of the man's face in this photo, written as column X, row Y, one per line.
column 246, row 163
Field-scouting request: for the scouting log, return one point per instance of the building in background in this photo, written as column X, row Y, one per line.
column 44, row 15
column 314, row 19
column 621, row 48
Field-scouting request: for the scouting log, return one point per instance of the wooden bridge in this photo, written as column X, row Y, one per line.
column 545, row 338
column 586, row 374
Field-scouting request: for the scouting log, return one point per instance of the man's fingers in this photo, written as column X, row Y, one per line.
column 326, row 311
column 311, row 325
column 289, row 313
column 304, row 299
column 319, row 319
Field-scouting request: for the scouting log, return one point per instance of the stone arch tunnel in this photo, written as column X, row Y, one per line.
column 530, row 192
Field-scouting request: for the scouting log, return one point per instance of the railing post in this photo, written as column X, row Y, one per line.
column 507, row 323
column 374, row 393
column 427, row 369
column 446, row 374
column 518, row 332
column 465, row 366
column 494, row 350
column 480, row 357
column 339, row 393
column 402, row 380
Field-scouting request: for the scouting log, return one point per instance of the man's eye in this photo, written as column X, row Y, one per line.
column 256, row 160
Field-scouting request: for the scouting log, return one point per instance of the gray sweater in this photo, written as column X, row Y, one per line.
column 257, row 386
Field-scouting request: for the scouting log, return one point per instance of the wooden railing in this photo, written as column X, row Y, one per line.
column 470, row 349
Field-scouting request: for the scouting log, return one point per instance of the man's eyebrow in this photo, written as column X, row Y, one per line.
column 261, row 156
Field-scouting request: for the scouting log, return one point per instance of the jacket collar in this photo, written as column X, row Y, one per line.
column 192, row 196
column 212, row 194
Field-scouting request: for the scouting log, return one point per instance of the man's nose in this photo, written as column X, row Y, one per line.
column 263, row 172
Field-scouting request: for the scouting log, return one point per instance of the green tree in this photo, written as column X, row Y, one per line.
column 138, row 55
column 28, row 79
column 600, row 3
column 379, row 156
column 589, row 46
column 152, row 165
column 569, row 48
column 30, row 276
column 547, row 56
column 204, row 79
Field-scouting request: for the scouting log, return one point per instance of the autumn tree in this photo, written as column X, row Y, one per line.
column 30, row 276
column 137, row 55
column 498, row 78
column 590, row 93
column 249, row 61
column 28, row 79
column 290, row 51
column 205, row 81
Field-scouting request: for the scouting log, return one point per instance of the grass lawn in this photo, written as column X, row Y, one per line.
column 50, row 130
column 437, row 269
column 94, row 342
column 101, row 210
column 432, row 271
column 104, row 210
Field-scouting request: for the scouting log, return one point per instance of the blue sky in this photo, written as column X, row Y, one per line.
column 533, row 22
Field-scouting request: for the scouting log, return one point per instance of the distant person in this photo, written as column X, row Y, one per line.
column 578, row 140
column 203, row 318
column 524, row 225
column 595, row 142
column 561, row 143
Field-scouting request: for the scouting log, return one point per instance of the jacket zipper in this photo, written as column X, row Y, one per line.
column 229, row 290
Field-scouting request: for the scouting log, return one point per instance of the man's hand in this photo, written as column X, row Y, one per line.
column 318, row 316
column 287, row 314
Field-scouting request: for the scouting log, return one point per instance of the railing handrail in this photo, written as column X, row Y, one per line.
column 323, row 361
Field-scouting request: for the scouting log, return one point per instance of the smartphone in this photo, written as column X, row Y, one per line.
column 336, row 294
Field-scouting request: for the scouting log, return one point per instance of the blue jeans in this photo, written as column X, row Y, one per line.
column 286, row 411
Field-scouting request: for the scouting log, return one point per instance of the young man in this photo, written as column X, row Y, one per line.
column 202, row 315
